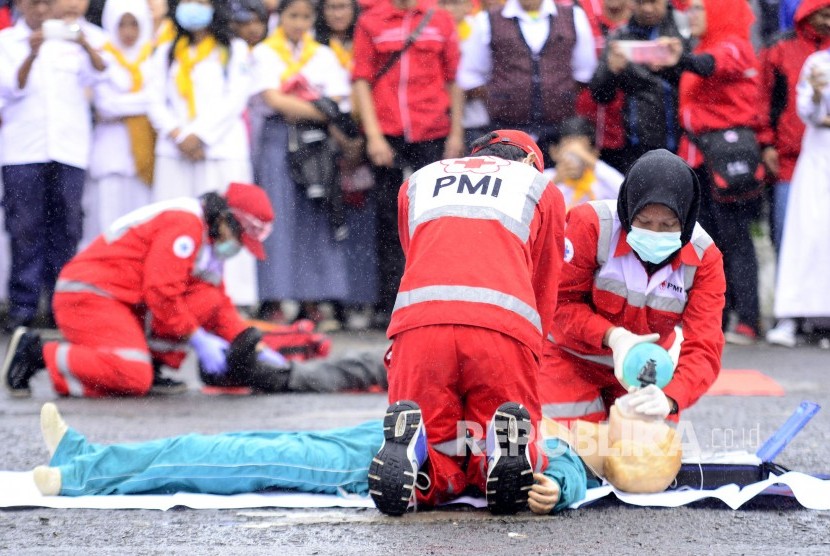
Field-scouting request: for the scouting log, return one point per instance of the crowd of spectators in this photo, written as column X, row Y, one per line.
column 107, row 105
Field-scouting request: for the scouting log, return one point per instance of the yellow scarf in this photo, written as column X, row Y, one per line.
column 141, row 133
column 134, row 67
column 184, row 79
column 279, row 44
column 464, row 30
column 166, row 32
column 581, row 187
column 344, row 55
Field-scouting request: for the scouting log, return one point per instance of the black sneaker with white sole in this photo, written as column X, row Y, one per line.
column 165, row 386
column 24, row 358
column 394, row 470
column 509, row 471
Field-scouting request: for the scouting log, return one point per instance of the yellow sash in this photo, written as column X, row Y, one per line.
column 581, row 187
column 464, row 30
column 141, row 133
column 166, row 32
column 279, row 44
column 184, row 79
column 143, row 146
column 344, row 55
column 134, row 67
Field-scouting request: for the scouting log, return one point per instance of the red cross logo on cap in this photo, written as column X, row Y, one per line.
column 474, row 165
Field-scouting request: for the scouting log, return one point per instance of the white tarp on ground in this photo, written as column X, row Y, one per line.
column 17, row 489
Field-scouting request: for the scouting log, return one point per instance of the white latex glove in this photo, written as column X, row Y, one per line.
column 649, row 401
column 621, row 341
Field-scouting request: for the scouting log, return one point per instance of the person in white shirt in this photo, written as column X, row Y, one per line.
column 475, row 120
column 198, row 87
column 74, row 12
column 46, row 136
column 122, row 161
column 579, row 173
column 514, row 62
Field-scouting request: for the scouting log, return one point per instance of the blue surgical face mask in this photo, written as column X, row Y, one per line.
column 224, row 250
column 654, row 247
column 193, row 16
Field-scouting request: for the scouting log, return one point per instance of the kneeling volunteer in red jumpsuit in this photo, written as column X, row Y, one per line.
column 483, row 239
column 635, row 269
column 164, row 260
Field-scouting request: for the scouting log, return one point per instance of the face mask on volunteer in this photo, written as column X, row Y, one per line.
column 193, row 16
column 226, row 249
column 653, row 247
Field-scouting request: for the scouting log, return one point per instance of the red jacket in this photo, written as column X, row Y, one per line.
column 411, row 99
column 780, row 66
column 483, row 240
column 5, row 18
column 728, row 97
column 146, row 258
column 591, row 298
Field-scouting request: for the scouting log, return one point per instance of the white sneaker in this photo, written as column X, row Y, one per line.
column 783, row 334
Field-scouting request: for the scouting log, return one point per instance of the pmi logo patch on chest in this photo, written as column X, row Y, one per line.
column 669, row 286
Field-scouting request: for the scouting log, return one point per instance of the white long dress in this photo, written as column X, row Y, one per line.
column 804, row 261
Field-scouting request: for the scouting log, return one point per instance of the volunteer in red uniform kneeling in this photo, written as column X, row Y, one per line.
column 165, row 260
column 638, row 269
column 483, row 239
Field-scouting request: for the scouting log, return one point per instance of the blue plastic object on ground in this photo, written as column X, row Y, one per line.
column 779, row 440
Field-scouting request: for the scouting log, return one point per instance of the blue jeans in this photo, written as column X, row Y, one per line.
column 43, row 218
column 308, row 461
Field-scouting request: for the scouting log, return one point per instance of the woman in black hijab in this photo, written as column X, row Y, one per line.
column 658, row 178
column 635, row 269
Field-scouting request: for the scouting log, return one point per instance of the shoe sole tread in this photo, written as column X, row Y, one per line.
column 512, row 476
column 391, row 474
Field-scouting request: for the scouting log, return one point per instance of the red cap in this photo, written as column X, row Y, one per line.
column 250, row 206
column 518, row 139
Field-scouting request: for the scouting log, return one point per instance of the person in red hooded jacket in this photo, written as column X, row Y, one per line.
column 782, row 129
column 163, row 262
column 719, row 93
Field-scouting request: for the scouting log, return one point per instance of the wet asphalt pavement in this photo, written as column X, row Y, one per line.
column 770, row 526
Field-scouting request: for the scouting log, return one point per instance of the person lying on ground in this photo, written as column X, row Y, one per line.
column 633, row 454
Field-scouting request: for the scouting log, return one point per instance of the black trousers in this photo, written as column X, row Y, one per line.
column 387, row 183
column 729, row 225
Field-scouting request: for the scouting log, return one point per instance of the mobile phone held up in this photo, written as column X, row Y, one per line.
column 644, row 52
column 56, row 29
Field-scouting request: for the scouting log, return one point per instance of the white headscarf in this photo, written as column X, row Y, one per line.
column 114, row 10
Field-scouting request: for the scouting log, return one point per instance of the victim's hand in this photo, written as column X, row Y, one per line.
column 543, row 495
